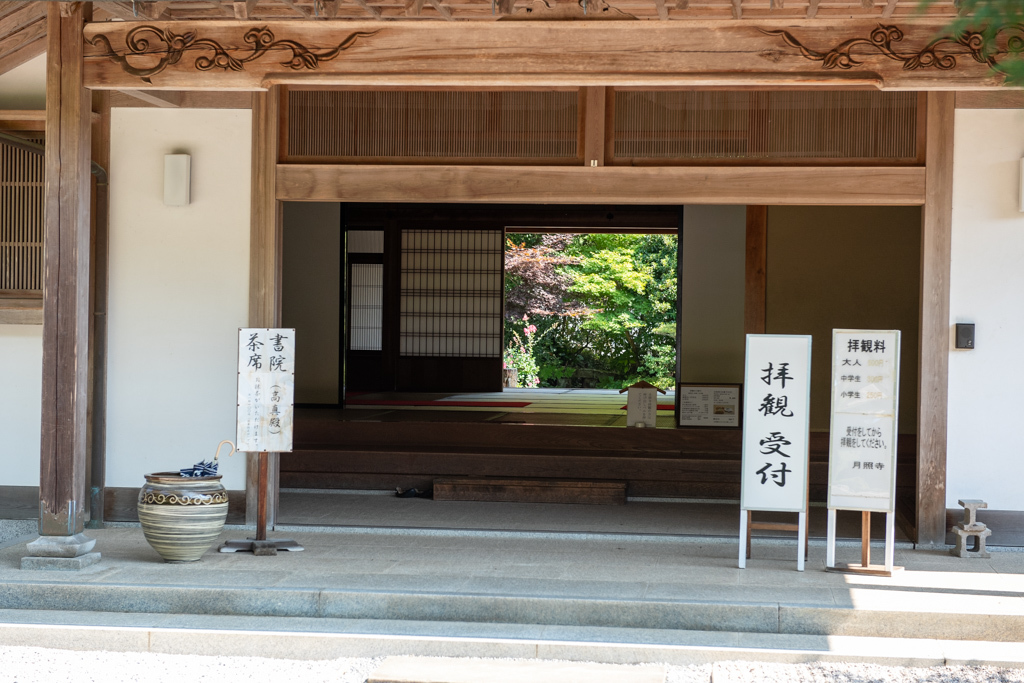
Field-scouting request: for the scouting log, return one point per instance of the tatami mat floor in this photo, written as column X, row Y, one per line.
column 584, row 407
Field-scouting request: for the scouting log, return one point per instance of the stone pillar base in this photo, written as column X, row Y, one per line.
column 61, row 553
column 60, row 563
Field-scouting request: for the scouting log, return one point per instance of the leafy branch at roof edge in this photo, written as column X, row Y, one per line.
column 988, row 17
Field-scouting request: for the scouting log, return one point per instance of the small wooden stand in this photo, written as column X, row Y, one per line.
column 260, row 545
column 865, row 566
column 802, row 527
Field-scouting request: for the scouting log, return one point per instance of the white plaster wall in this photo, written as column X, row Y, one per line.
column 21, row 348
column 984, row 458
column 311, row 296
column 24, row 87
column 714, row 262
column 178, row 290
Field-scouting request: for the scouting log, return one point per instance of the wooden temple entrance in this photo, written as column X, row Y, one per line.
column 369, row 442
column 750, row 109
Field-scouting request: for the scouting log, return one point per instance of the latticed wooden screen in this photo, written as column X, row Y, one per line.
column 774, row 126
column 21, row 221
column 415, row 125
column 451, row 293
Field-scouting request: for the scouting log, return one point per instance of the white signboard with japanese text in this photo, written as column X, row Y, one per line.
column 709, row 405
column 266, row 390
column 776, row 419
column 642, row 407
column 865, row 399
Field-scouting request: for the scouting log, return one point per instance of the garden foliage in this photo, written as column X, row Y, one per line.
column 594, row 310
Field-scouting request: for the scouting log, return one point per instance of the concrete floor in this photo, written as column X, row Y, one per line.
column 363, row 591
column 717, row 519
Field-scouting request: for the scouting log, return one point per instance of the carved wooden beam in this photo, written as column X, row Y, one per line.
column 229, row 55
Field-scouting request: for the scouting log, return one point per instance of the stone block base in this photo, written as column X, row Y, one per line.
column 961, row 549
column 60, row 563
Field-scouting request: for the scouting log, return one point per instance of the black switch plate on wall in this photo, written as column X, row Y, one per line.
column 965, row 335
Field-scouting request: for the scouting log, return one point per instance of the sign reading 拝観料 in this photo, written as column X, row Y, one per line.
column 266, row 389
column 865, row 396
column 776, row 411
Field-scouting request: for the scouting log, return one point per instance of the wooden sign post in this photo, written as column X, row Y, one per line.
column 642, row 404
column 776, row 421
column 265, row 417
column 862, row 442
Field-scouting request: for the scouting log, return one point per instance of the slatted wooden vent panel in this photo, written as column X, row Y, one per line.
column 21, row 221
column 780, row 126
column 420, row 125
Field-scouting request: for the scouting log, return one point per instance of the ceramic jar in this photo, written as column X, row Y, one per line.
column 182, row 516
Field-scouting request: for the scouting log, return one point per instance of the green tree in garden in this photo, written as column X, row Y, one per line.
column 629, row 281
column 603, row 305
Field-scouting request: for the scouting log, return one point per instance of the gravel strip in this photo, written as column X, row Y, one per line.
column 40, row 665
column 742, row 672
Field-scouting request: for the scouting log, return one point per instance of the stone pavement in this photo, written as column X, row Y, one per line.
column 599, row 597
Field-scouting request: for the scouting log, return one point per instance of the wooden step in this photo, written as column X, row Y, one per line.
column 530, row 490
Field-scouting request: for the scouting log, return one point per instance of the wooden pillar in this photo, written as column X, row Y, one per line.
column 99, row 300
column 756, row 289
column 934, row 344
column 594, row 126
column 62, row 501
column 264, row 264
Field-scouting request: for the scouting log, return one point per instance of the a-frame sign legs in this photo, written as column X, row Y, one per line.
column 61, row 543
column 865, row 566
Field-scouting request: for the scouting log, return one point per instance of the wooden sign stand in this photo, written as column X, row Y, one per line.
column 775, row 417
column 260, row 545
column 802, row 527
column 865, row 566
column 266, row 386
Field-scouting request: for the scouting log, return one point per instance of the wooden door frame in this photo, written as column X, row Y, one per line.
column 929, row 187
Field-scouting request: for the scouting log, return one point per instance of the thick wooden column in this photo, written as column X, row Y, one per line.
column 936, row 232
column 66, row 277
column 264, row 262
column 755, row 285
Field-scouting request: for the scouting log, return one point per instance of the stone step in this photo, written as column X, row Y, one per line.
column 326, row 639
column 898, row 615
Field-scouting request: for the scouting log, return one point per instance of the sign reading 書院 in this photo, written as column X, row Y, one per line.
column 776, row 412
column 266, row 389
column 865, row 396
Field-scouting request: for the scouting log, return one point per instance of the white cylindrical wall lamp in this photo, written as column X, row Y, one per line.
column 177, row 179
column 1020, row 191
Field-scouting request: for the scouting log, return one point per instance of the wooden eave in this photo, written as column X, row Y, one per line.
column 530, row 10
column 22, row 33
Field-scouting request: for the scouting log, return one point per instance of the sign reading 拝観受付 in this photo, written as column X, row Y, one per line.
column 776, row 412
column 266, row 389
column 865, row 398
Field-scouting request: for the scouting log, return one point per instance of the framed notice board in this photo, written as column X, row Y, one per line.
column 710, row 405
